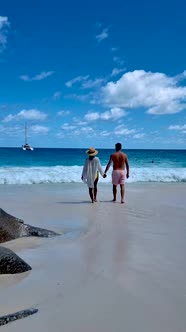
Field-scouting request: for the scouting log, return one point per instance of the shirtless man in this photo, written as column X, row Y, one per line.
column 119, row 160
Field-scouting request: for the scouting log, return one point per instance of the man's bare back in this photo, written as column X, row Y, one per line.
column 119, row 159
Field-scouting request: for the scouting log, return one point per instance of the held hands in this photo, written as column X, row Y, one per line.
column 104, row 175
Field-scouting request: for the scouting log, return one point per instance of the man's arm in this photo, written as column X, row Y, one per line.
column 127, row 166
column 108, row 166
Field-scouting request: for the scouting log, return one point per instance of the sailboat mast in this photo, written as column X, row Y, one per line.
column 26, row 146
column 25, row 133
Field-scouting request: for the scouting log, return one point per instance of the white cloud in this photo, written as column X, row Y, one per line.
column 167, row 108
column 181, row 76
column 4, row 25
column 67, row 126
column 114, row 113
column 77, row 79
column 92, row 83
column 63, row 113
column 92, row 116
column 40, row 129
column 98, row 24
column 38, row 77
column 43, row 75
column 3, row 106
column 79, row 122
column 114, row 49
column 69, row 130
column 123, row 131
column 105, row 133
column 103, row 35
column 85, row 82
column 138, row 136
column 117, row 71
column 156, row 92
column 10, row 131
column 32, row 114
column 178, row 128
column 3, row 22
column 57, row 95
column 84, row 131
column 15, row 130
column 80, row 97
column 118, row 60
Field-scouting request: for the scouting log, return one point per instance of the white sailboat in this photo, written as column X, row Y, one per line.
column 27, row 146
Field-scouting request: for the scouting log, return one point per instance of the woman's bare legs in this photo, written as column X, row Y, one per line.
column 91, row 194
column 95, row 189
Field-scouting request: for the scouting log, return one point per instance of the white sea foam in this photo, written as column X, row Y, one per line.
column 67, row 174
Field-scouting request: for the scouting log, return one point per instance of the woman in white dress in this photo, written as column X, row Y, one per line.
column 90, row 174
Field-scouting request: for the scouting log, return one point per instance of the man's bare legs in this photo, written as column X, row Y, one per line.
column 122, row 191
column 114, row 192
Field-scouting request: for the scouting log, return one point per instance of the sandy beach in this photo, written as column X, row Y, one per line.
column 115, row 267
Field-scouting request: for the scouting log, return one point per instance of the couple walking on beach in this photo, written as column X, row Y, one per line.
column 92, row 168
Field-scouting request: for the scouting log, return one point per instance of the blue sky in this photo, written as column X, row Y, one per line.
column 93, row 73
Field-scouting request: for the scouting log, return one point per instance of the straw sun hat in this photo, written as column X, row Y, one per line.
column 92, row 152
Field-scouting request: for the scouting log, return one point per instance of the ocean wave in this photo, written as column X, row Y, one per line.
column 68, row 174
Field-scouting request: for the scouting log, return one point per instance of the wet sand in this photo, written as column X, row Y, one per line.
column 115, row 267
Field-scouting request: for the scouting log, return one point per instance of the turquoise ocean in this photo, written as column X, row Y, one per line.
column 50, row 165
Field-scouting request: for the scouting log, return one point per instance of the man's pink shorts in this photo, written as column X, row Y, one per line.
column 118, row 177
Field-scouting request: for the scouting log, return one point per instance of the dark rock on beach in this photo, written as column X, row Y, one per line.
column 12, row 228
column 10, row 263
column 17, row 315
